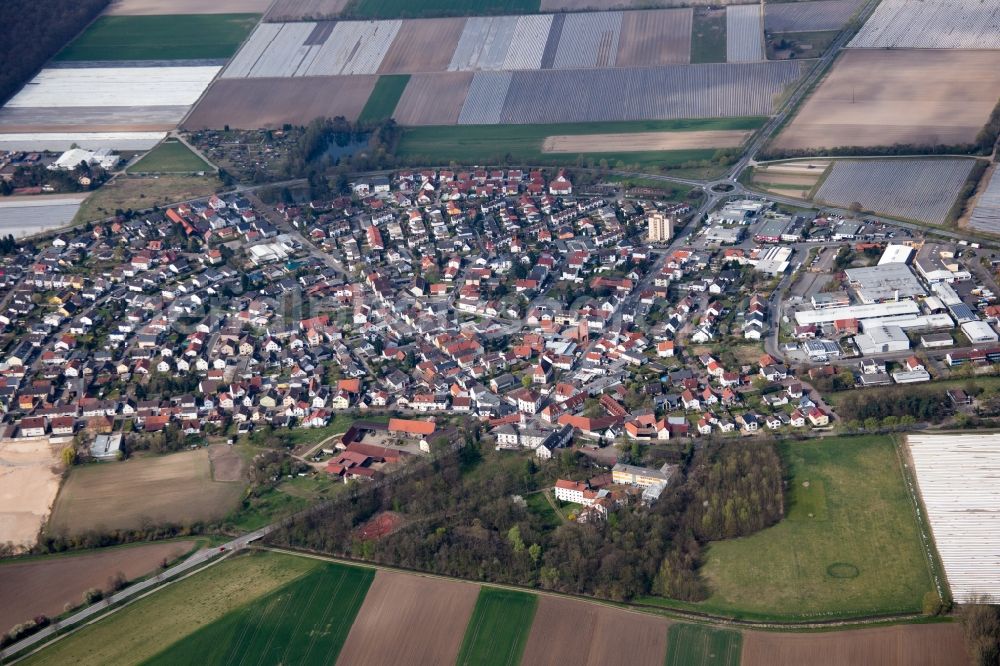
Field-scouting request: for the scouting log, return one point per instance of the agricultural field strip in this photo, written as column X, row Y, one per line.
column 656, row 93
column 588, row 40
column 919, row 189
column 809, row 16
column 932, row 24
column 638, row 142
column 292, row 10
column 484, row 43
column 527, row 45
column 161, row 7
column 26, row 218
column 744, row 34
column 958, row 478
column 986, row 214
column 878, row 97
column 580, row 40
column 655, row 37
column 114, row 87
column 485, row 101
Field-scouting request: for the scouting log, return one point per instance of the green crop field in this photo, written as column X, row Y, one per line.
column 498, row 629
column 849, row 543
column 148, row 626
column 171, row 156
column 384, row 98
column 698, row 645
column 172, row 37
column 392, row 9
column 708, row 36
column 304, row 622
column 492, row 144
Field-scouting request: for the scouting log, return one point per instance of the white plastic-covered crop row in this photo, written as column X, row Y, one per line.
column 932, row 24
column 959, row 480
column 986, row 214
column 744, row 34
column 914, row 189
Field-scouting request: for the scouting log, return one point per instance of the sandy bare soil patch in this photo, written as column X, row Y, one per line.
column 642, row 141
column 176, row 488
column 423, row 45
column 433, row 99
column 44, row 586
column 656, row 37
column 155, row 7
column 29, row 482
column 877, row 98
column 408, row 619
column 292, row 10
column 575, row 632
column 227, row 463
column 902, row 645
column 264, row 103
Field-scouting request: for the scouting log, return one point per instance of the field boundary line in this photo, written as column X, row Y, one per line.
column 699, row 617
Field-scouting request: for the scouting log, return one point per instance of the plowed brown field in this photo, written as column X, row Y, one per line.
column 44, row 586
column 655, row 37
column 433, row 99
column 570, row 632
column 266, row 103
column 423, row 45
column 902, row 645
column 407, row 619
column 881, row 97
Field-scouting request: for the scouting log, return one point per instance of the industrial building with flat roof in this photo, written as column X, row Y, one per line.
column 882, row 340
column 873, row 311
column 885, row 282
column 895, row 254
column 979, row 332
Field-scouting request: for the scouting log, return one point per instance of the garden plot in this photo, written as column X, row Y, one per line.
column 958, row 477
column 932, row 24
column 921, row 189
column 655, row 37
column 424, row 45
column 744, row 34
column 809, row 16
column 882, row 97
column 588, row 40
column 655, row 93
column 986, row 214
column 433, row 99
column 266, row 103
column 484, row 43
column 487, row 94
column 527, row 45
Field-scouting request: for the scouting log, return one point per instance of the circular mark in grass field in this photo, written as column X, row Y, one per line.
column 843, row 570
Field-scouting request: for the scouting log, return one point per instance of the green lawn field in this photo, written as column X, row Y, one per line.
column 172, row 37
column 480, row 144
column 698, row 645
column 384, row 98
column 171, row 156
column 304, row 622
column 393, row 9
column 708, row 36
column 498, row 629
column 849, row 543
column 145, row 628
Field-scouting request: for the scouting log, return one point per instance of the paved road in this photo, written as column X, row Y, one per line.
column 196, row 560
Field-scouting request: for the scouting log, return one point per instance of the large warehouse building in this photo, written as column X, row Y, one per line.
column 871, row 311
column 885, row 282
